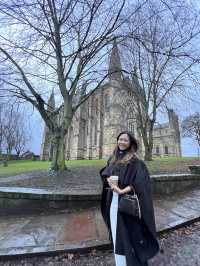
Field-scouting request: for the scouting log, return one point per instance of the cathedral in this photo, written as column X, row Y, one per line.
column 107, row 112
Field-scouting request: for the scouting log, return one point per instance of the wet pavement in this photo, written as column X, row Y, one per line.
column 179, row 248
column 49, row 232
column 84, row 228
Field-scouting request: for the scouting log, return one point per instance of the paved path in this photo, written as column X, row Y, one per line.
column 180, row 248
column 67, row 230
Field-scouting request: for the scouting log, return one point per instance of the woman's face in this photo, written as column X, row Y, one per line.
column 123, row 142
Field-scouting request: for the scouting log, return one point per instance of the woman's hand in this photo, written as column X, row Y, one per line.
column 110, row 181
column 115, row 188
column 120, row 191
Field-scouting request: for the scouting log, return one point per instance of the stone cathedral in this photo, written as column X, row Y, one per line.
column 107, row 112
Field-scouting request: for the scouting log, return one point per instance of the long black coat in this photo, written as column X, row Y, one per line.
column 134, row 237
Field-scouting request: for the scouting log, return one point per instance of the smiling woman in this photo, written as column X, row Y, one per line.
column 134, row 240
column 123, row 142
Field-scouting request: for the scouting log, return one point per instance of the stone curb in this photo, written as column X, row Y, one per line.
column 42, row 194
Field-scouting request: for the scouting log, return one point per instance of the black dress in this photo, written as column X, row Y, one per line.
column 135, row 239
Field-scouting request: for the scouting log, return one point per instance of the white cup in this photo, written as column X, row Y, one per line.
column 114, row 179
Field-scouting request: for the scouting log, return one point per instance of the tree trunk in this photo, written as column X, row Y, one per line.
column 57, row 154
column 5, row 163
column 148, row 153
column 9, row 156
column 51, row 152
column 148, row 145
column 18, row 153
column 58, row 158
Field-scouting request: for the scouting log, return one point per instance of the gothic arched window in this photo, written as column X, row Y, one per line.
column 95, row 134
column 96, row 106
column 130, row 94
column 106, row 100
column 131, row 126
column 88, row 108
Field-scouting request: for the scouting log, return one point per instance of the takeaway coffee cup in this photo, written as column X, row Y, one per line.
column 114, row 179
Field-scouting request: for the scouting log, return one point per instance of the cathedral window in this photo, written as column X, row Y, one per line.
column 88, row 108
column 166, row 150
column 130, row 94
column 96, row 106
column 95, row 134
column 157, row 150
column 131, row 126
column 83, row 135
column 107, row 100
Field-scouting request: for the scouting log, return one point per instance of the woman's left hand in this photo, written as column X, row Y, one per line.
column 116, row 189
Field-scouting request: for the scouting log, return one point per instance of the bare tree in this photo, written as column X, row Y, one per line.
column 21, row 136
column 56, row 44
column 20, row 141
column 8, row 129
column 14, row 131
column 161, row 58
column 191, row 127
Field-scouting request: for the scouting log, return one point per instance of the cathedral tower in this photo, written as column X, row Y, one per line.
column 174, row 125
column 114, row 111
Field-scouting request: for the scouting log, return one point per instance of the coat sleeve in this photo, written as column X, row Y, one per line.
column 142, row 185
column 104, row 173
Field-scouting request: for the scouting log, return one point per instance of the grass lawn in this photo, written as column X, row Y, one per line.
column 171, row 164
column 157, row 165
column 17, row 167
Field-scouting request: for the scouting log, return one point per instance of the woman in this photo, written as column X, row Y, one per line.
column 134, row 240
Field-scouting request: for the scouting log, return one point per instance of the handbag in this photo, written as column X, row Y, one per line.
column 130, row 205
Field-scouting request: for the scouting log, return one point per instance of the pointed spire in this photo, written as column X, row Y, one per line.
column 51, row 101
column 135, row 78
column 171, row 113
column 115, row 67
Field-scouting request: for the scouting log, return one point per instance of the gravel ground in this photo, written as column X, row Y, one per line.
column 42, row 179
column 180, row 248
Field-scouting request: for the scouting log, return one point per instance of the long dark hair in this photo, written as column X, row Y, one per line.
column 131, row 152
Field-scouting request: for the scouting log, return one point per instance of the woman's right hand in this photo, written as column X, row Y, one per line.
column 109, row 181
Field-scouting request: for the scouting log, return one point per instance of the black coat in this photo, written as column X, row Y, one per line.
column 134, row 237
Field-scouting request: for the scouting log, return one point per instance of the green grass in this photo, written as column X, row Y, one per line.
column 170, row 164
column 165, row 163
column 172, row 158
column 18, row 167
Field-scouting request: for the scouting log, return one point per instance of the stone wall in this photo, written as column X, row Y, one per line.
column 167, row 184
